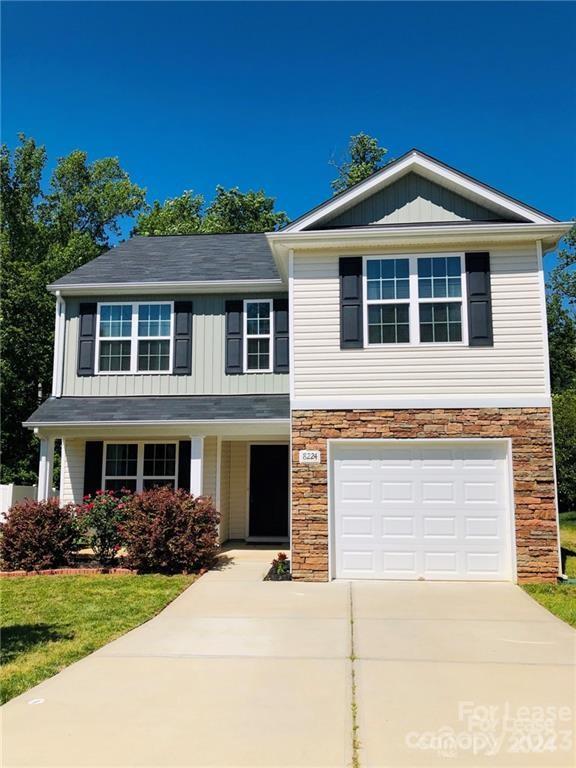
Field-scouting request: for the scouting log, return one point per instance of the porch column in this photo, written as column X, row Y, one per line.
column 196, row 465
column 45, row 468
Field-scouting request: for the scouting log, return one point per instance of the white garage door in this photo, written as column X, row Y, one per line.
column 422, row 510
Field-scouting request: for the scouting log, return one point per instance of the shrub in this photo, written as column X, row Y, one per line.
column 170, row 531
column 564, row 409
column 39, row 534
column 280, row 564
column 102, row 517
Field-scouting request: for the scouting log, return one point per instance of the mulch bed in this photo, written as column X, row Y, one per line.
column 273, row 576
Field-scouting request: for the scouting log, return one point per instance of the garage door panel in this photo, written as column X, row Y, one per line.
column 421, row 512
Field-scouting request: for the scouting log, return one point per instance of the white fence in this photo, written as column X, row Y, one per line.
column 10, row 494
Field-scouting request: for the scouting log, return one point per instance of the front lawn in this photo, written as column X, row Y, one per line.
column 560, row 599
column 48, row 622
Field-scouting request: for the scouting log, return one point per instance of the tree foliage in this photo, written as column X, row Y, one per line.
column 563, row 277
column 562, row 344
column 45, row 234
column 364, row 157
column 564, row 409
column 230, row 211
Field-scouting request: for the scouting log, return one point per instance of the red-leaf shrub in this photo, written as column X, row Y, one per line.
column 170, row 531
column 102, row 517
column 38, row 535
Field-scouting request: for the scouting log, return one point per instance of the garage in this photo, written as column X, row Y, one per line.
column 421, row 510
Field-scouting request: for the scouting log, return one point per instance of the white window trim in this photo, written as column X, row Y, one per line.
column 133, row 339
column 140, row 477
column 269, row 336
column 413, row 301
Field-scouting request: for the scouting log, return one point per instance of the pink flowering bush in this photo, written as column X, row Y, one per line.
column 38, row 535
column 102, row 518
column 169, row 531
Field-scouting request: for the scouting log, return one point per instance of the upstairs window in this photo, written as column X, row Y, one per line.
column 258, row 335
column 135, row 338
column 414, row 299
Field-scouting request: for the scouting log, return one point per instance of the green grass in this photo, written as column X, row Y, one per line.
column 48, row 622
column 560, row 599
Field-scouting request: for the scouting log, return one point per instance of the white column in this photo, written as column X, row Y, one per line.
column 196, row 465
column 46, row 468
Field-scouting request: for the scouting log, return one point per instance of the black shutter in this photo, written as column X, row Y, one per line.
column 479, row 300
column 86, row 339
column 182, row 338
column 93, row 467
column 351, row 325
column 281, row 340
column 184, row 456
column 234, row 322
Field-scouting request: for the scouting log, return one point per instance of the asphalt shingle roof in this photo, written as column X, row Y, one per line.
column 179, row 258
column 71, row 410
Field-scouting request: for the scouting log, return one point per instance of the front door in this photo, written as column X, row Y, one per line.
column 268, row 491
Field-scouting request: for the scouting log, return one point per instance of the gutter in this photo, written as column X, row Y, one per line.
column 157, row 423
column 157, row 287
column 59, row 334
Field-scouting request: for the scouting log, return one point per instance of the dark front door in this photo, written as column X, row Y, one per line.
column 269, row 491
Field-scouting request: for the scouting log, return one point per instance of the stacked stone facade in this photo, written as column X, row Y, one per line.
column 533, row 468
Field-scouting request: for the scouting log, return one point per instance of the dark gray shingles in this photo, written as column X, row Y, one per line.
column 68, row 410
column 179, row 258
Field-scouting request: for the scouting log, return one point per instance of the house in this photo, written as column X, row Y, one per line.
column 369, row 384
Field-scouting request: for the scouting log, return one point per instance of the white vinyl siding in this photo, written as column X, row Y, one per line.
column 208, row 375
column 72, row 469
column 515, row 365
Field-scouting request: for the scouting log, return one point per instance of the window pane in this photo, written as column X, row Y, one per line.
column 154, row 320
column 115, row 320
column 258, row 318
column 373, row 269
column 159, row 459
column 149, row 482
column 121, row 460
column 153, row 355
column 446, row 277
column 388, row 324
column 374, row 289
column 258, row 354
column 118, row 484
column 440, row 322
column 388, row 279
column 114, row 356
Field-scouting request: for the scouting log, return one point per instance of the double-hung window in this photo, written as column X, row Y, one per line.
column 414, row 299
column 135, row 338
column 258, row 321
column 139, row 466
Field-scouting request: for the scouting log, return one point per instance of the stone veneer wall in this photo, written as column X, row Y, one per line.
column 532, row 458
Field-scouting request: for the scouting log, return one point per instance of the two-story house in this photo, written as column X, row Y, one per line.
column 369, row 384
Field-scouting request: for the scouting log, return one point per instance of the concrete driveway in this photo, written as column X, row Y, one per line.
column 239, row 672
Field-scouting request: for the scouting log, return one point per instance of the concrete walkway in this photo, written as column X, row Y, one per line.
column 241, row 672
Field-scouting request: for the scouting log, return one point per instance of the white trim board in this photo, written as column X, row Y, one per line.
column 424, row 165
column 440, row 401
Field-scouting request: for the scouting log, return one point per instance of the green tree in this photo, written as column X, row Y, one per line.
column 563, row 277
column 364, row 157
column 236, row 211
column 561, row 343
column 44, row 235
column 564, row 409
column 177, row 216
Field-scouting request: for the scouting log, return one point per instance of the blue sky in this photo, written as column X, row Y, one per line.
column 190, row 95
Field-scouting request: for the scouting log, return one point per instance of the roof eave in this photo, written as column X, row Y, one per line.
column 166, row 288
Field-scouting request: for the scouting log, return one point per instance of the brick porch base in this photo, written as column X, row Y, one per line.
column 531, row 435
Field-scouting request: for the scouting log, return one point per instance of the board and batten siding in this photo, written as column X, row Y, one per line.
column 410, row 199
column 208, row 375
column 515, row 365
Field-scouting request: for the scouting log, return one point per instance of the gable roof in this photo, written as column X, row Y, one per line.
column 179, row 259
column 429, row 167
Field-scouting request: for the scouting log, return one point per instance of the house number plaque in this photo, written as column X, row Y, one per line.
column 309, row 457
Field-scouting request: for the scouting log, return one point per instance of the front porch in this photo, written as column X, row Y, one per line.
column 235, row 450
